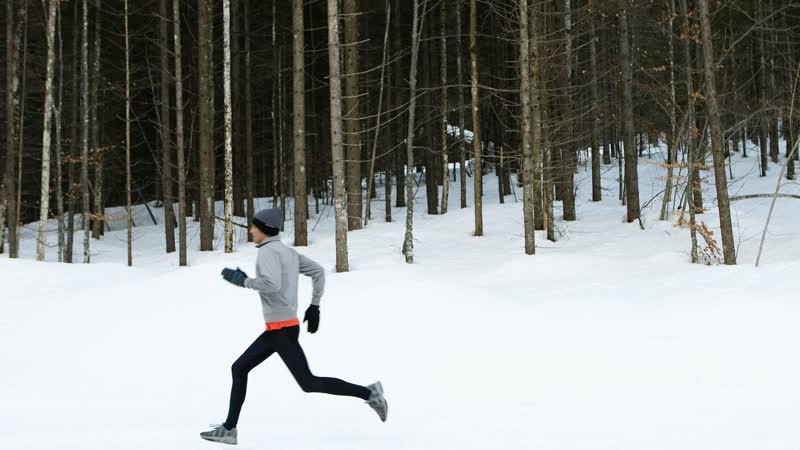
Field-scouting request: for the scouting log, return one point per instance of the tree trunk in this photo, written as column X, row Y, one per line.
column 726, row 227
column 248, row 115
column 15, row 25
column 128, row 137
column 569, row 153
column 536, row 98
column 176, row 18
column 596, row 111
column 443, row 83
column 352, row 110
column 476, row 137
column 228, row 105
column 205, row 117
column 298, row 98
column 44, row 202
column 462, row 151
column 59, row 157
column 337, row 151
column 72, row 191
column 99, row 218
column 371, row 175
column 166, row 133
column 672, row 138
column 525, row 130
column 764, row 116
column 408, row 242
column 85, row 132
column 631, row 171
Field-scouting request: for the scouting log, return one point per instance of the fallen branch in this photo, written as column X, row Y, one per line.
column 222, row 219
column 747, row 197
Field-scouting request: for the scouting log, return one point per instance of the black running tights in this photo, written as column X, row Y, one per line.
column 283, row 342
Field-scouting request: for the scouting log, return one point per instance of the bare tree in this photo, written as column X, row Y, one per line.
column 59, row 157
column 408, row 242
column 539, row 212
column 226, row 74
column 299, row 116
column 97, row 186
column 443, row 82
column 44, row 202
column 16, row 20
column 180, row 166
column 476, row 136
column 461, row 122
column 165, row 131
column 128, row 136
column 248, row 114
column 351, row 111
column 85, row 222
column 631, row 170
column 597, row 191
column 378, row 116
column 723, row 202
column 337, row 152
column 525, row 109
column 205, row 112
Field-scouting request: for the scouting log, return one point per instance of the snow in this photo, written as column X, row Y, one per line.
column 605, row 339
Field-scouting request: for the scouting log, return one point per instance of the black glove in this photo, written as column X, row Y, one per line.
column 312, row 317
column 236, row 277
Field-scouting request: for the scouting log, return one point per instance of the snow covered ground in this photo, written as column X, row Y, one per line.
column 606, row 339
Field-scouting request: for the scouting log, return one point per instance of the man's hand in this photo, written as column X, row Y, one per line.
column 312, row 317
column 236, row 277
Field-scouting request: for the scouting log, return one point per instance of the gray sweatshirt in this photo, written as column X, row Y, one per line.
column 277, row 271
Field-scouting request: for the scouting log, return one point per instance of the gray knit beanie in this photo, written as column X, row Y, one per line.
column 269, row 221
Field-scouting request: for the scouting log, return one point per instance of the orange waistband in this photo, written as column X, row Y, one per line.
column 272, row 326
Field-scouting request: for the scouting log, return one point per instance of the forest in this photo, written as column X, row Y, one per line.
column 177, row 104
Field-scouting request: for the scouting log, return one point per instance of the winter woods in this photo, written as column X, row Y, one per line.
column 316, row 104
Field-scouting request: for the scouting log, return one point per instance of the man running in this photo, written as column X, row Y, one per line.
column 277, row 271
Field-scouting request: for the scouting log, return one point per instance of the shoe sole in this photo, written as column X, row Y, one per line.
column 379, row 389
column 219, row 440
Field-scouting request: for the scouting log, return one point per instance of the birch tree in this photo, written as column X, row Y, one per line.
column 44, row 202
column 226, row 71
column 408, row 243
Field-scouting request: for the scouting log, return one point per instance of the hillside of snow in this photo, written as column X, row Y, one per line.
column 606, row 339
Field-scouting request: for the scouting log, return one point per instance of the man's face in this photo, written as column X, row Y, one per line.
column 258, row 236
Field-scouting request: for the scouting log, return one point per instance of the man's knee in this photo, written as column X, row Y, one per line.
column 309, row 383
column 239, row 369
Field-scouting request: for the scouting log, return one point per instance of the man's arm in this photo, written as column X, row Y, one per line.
column 310, row 268
column 270, row 280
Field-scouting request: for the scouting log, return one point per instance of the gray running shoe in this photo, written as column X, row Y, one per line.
column 220, row 434
column 376, row 400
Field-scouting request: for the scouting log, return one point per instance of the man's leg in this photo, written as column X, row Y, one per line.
column 295, row 359
column 258, row 351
